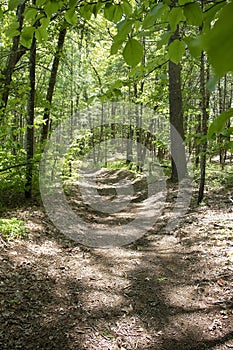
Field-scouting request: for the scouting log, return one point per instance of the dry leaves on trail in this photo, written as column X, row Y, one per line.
column 162, row 292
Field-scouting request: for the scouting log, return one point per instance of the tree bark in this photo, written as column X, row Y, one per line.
column 204, row 128
column 52, row 82
column 16, row 52
column 178, row 162
column 30, row 120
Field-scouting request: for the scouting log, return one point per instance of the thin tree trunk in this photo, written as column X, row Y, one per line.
column 204, row 127
column 228, row 123
column 52, row 82
column 196, row 143
column 221, row 109
column 30, row 120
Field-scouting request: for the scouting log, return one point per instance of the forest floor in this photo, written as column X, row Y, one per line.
column 161, row 292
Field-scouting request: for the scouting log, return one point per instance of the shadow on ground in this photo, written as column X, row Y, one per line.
column 157, row 295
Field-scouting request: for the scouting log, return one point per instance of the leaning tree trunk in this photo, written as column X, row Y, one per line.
column 30, row 120
column 179, row 166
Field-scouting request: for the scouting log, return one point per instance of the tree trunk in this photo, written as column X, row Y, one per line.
column 52, row 82
column 179, row 166
column 15, row 54
column 30, row 120
column 204, row 128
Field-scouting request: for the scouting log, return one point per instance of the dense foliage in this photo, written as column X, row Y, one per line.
column 60, row 57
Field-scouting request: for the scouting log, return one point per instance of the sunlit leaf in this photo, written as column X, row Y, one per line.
column 12, row 30
column 51, row 7
column 85, row 11
column 127, row 8
column 176, row 51
column 41, row 34
column 113, row 12
column 26, row 36
column 71, row 16
column 133, row 52
column 175, row 16
column 153, row 15
column 218, row 124
column 30, row 13
column 44, row 22
column 118, row 13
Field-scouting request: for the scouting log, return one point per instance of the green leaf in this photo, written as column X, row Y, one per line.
column 116, row 45
column 12, row 30
column 126, row 7
column 12, row 4
column 218, row 124
column 113, row 12
column 1, row 12
column 153, row 15
column 109, row 11
column 193, row 14
column 27, row 32
column 45, row 22
column 161, row 279
column 133, row 52
column 40, row 2
column 71, row 16
column 96, row 7
column 30, row 13
column 176, row 51
column 41, row 34
column 228, row 132
column 118, row 13
column 124, row 27
column 85, row 11
column 26, row 36
column 51, row 7
column 175, row 16
column 218, row 42
column 210, row 14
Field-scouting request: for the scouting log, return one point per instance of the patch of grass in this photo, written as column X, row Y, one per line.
column 11, row 229
column 122, row 165
column 216, row 177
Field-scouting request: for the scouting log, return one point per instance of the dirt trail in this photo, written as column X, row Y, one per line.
column 162, row 292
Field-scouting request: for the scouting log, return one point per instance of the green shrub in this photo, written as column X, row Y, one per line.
column 11, row 229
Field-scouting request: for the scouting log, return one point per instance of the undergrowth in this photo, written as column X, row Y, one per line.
column 12, row 228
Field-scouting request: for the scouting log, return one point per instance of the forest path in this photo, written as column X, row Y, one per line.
column 162, row 292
